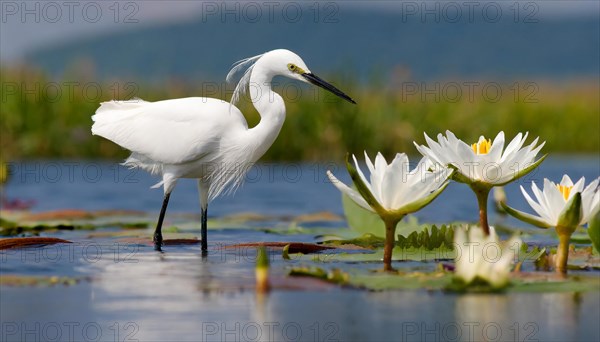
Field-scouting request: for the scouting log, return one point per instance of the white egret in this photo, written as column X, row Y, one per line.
column 205, row 138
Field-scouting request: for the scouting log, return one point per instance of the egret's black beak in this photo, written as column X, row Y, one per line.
column 314, row 79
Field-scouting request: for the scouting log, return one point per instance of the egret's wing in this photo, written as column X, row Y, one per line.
column 168, row 132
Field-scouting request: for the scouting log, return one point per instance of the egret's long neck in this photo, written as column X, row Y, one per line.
column 269, row 105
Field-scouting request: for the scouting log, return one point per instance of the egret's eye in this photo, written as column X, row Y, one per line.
column 291, row 67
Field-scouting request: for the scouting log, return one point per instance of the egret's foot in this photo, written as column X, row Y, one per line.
column 158, row 243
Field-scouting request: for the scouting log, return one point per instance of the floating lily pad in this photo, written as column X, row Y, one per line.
column 334, row 276
column 366, row 241
column 65, row 214
column 440, row 280
column 23, row 280
column 25, row 222
column 292, row 247
column 323, row 216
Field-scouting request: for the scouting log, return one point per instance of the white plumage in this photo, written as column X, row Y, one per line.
column 182, row 138
column 204, row 138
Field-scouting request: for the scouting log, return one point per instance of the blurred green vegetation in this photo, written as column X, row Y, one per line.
column 43, row 117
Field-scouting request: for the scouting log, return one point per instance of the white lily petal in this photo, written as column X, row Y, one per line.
column 577, row 187
column 541, row 199
column 450, row 138
column 377, row 176
column 566, row 181
column 436, row 150
column 369, row 163
column 495, row 152
column 468, row 163
column 514, row 145
column 539, row 209
column 553, row 196
column 535, row 152
column 348, row 191
column 392, row 185
column 364, row 179
column 590, row 198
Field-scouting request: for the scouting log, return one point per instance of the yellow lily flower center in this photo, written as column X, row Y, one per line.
column 564, row 190
column 482, row 146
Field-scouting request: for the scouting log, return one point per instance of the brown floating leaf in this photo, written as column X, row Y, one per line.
column 175, row 242
column 25, row 280
column 322, row 216
column 29, row 242
column 118, row 212
column 295, row 247
column 66, row 214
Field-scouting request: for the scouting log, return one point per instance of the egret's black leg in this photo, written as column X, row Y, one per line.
column 203, row 230
column 158, row 232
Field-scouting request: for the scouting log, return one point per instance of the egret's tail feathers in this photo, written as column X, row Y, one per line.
column 137, row 160
column 157, row 185
column 114, row 111
column 119, row 105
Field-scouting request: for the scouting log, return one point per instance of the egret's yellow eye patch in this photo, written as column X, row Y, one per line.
column 294, row 68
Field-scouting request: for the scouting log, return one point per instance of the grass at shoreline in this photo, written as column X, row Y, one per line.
column 43, row 118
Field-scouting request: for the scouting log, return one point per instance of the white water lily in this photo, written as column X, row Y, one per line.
column 564, row 206
column 484, row 258
column 393, row 190
column 551, row 203
column 484, row 164
column 485, row 161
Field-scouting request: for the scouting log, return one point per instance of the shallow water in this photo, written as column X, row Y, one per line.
column 134, row 293
column 276, row 189
column 179, row 296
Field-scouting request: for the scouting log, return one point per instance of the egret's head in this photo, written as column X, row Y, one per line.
column 286, row 63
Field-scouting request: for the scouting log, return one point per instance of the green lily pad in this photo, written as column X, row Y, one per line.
column 398, row 254
column 367, row 240
column 440, row 280
column 335, row 275
column 363, row 221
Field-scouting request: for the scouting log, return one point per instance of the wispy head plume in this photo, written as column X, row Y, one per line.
column 242, row 87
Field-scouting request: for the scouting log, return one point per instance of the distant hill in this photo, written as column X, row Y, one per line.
column 369, row 42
